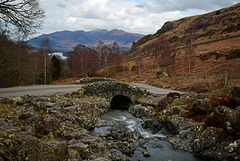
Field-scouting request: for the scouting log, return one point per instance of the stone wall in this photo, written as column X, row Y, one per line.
column 88, row 80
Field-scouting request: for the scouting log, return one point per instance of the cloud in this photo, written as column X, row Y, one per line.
column 138, row 16
column 183, row 5
column 132, row 16
column 61, row 5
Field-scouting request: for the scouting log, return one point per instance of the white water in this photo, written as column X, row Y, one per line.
column 155, row 144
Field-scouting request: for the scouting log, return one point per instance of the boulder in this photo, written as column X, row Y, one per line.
column 236, row 92
column 140, row 111
column 121, row 132
column 154, row 125
column 146, row 154
column 208, row 139
column 176, row 124
column 125, row 147
column 201, row 106
column 27, row 147
column 175, row 110
column 228, row 119
column 101, row 159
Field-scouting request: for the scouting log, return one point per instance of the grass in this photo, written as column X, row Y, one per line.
column 178, row 102
column 8, row 109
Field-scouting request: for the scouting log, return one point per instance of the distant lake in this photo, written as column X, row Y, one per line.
column 60, row 55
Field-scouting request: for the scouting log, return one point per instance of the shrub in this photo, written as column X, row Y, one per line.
column 218, row 12
column 223, row 100
column 159, row 74
column 174, row 39
column 40, row 78
column 234, row 54
column 133, row 68
column 232, row 28
column 92, row 73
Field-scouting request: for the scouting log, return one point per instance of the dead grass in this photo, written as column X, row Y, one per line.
column 223, row 100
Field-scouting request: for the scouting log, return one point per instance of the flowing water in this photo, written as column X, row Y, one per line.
column 155, row 144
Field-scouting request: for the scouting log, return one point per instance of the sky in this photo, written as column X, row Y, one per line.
column 134, row 16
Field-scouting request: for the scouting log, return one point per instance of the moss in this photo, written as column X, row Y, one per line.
column 133, row 68
column 8, row 109
column 17, row 99
column 2, row 135
column 49, row 136
column 71, row 151
column 178, row 102
column 42, row 112
column 24, row 128
column 51, row 150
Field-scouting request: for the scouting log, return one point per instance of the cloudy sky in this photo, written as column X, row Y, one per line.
column 136, row 16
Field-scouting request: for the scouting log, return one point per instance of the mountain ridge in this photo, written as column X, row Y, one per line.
column 67, row 40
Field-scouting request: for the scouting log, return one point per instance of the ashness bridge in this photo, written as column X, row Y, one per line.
column 121, row 95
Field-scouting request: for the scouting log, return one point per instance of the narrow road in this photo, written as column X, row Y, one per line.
column 45, row 90
column 155, row 90
column 38, row 90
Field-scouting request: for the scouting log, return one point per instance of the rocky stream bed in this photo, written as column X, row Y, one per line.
column 77, row 127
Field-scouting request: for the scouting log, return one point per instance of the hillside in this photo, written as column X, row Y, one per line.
column 67, row 40
column 201, row 51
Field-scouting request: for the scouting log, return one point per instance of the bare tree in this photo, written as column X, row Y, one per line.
column 99, row 53
column 23, row 15
column 115, row 48
column 191, row 32
column 106, row 50
column 123, row 58
column 82, row 60
column 18, row 66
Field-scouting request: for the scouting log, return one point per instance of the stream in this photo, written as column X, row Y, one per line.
column 158, row 148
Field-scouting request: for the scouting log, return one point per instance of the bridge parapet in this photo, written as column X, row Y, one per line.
column 109, row 89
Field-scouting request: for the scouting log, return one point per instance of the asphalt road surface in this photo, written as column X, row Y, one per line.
column 45, row 90
column 155, row 90
column 38, row 90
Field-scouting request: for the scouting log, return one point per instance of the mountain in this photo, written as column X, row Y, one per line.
column 67, row 40
column 200, row 52
column 210, row 26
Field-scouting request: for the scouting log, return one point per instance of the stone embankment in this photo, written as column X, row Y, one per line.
column 59, row 127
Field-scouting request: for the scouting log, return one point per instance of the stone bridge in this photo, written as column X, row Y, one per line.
column 119, row 94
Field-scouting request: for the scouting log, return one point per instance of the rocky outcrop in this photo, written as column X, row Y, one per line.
column 193, row 124
column 53, row 128
column 122, row 133
column 228, row 119
column 140, row 111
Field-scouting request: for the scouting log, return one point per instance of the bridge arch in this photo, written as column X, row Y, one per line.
column 120, row 102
